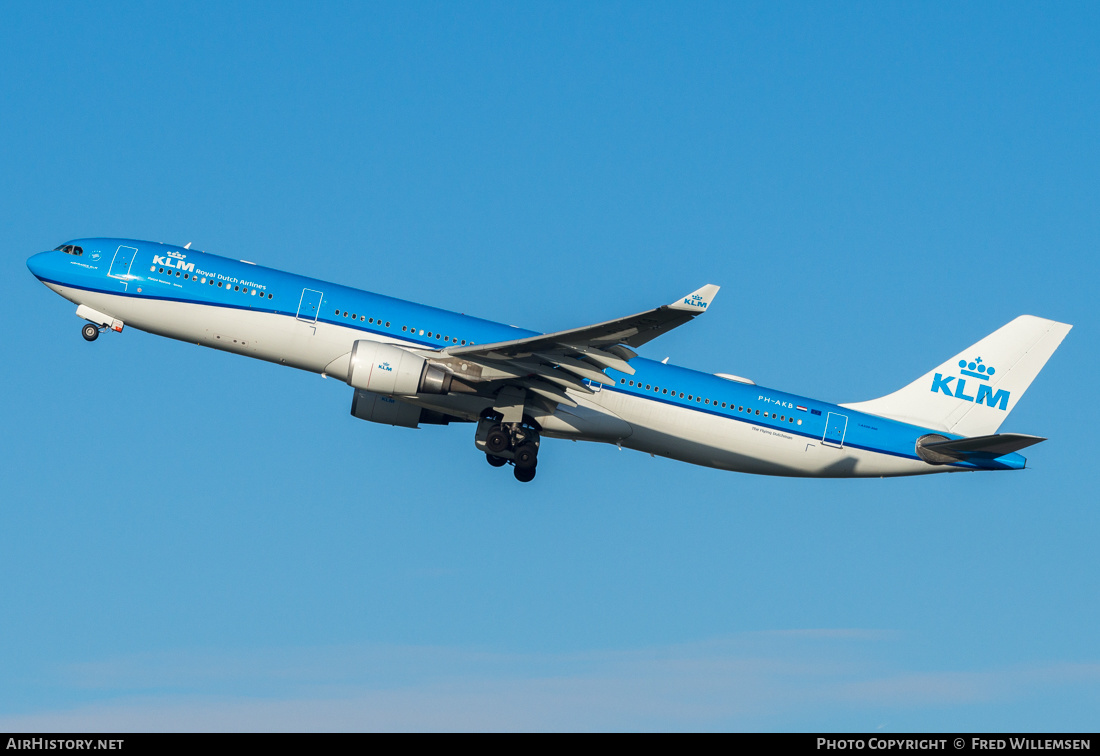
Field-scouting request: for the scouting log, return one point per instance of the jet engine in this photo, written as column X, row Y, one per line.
column 384, row 409
column 376, row 408
column 386, row 369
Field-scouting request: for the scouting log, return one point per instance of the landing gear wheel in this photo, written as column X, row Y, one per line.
column 90, row 332
column 524, row 474
column 496, row 461
column 526, row 456
column 497, row 441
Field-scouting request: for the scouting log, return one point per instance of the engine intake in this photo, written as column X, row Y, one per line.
column 386, row 369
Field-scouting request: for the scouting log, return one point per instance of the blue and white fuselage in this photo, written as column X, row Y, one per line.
column 584, row 384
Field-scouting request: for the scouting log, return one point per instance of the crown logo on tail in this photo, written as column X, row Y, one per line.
column 976, row 369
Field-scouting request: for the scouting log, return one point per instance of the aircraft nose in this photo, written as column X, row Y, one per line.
column 37, row 264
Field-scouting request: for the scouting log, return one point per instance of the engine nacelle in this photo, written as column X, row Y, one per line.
column 384, row 409
column 386, row 369
column 376, row 408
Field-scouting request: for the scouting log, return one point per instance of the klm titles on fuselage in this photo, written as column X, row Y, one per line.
column 174, row 260
column 177, row 261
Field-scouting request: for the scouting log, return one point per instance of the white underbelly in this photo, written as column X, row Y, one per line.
column 714, row 441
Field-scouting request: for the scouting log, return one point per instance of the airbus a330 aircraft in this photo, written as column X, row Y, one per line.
column 409, row 364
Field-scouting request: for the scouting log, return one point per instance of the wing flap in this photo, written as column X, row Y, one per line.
column 577, row 367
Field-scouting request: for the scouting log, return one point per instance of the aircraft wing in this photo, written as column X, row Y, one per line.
column 550, row 363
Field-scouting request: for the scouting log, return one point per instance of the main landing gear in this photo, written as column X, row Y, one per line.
column 517, row 443
column 90, row 332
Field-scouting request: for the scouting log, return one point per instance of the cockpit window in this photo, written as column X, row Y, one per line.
column 70, row 249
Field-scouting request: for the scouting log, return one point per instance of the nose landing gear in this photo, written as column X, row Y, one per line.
column 517, row 443
column 97, row 322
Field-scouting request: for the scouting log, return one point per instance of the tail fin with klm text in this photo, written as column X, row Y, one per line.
column 972, row 393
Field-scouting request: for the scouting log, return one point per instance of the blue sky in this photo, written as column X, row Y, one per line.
column 194, row 540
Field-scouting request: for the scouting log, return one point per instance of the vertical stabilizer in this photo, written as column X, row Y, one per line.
column 972, row 393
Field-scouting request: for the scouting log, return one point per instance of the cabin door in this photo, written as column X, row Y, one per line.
column 309, row 305
column 120, row 265
column 835, row 428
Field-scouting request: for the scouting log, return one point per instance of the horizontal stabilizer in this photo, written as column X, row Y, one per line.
column 987, row 447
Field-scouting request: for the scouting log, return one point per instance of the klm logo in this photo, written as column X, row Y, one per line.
column 980, row 372
column 174, row 260
column 385, row 366
column 695, row 300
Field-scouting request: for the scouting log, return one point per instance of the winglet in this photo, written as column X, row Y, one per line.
column 697, row 301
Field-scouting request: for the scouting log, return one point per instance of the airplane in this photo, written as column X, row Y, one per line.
column 410, row 365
